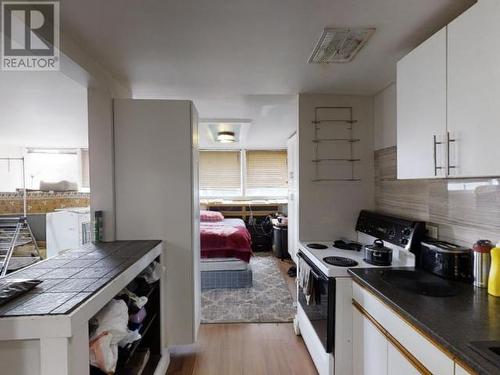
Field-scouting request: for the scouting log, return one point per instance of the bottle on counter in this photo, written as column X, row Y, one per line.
column 494, row 277
column 98, row 226
column 482, row 262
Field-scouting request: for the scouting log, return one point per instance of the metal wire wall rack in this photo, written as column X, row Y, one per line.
column 349, row 122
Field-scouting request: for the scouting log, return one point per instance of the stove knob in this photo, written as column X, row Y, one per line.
column 406, row 231
column 404, row 241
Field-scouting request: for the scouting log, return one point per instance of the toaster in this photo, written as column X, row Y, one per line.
column 446, row 260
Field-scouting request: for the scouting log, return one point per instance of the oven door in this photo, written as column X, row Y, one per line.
column 321, row 311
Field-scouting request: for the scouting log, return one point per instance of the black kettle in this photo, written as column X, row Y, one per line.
column 378, row 254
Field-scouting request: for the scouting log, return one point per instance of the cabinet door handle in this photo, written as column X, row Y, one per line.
column 448, row 142
column 436, row 168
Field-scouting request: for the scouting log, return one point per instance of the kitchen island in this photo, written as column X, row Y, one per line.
column 46, row 331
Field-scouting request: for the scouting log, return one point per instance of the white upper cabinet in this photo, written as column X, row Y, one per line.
column 421, row 110
column 449, row 88
column 474, row 91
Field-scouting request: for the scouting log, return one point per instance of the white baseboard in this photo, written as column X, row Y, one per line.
column 162, row 367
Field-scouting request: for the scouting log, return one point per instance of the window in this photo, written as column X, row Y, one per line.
column 220, row 174
column 266, row 173
column 54, row 165
column 243, row 174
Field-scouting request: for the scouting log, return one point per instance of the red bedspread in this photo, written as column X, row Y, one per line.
column 223, row 240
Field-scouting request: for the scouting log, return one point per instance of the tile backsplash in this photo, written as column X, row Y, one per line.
column 42, row 202
column 464, row 210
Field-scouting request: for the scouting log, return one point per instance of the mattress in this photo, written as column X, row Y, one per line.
column 227, row 279
column 234, row 222
column 222, row 264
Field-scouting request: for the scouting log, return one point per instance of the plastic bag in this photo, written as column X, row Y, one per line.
column 112, row 323
column 139, row 316
column 131, row 337
column 103, row 354
column 152, row 273
column 12, row 288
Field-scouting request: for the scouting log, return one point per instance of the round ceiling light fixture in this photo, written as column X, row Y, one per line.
column 226, row 137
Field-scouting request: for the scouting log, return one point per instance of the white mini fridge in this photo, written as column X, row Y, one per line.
column 66, row 229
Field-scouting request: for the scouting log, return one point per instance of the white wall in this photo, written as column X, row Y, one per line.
column 328, row 210
column 42, row 109
column 385, row 118
column 101, row 158
column 156, row 197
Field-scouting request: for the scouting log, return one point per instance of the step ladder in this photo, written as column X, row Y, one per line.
column 15, row 232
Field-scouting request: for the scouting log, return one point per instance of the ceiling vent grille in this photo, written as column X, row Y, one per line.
column 339, row 45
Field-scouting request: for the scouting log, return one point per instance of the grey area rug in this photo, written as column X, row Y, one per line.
column 267, row 301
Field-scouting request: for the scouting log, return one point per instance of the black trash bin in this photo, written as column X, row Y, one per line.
column 280, row 241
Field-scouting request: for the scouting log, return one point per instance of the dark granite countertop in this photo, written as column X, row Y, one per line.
column 72, row 277
column 453, row 322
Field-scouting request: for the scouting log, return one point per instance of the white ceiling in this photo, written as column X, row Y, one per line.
column 42, row 109
column 273, row 119
column 193, row 48
column 241, row 58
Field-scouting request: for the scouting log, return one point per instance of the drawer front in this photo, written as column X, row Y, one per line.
column 429, row 355
column 459, row 370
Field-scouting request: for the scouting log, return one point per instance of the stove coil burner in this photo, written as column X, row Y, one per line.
column 317, row 246
column 340, row 261
column 340, row 244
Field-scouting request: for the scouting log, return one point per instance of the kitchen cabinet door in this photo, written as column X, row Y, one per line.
column 421, row 110
column 474, row 91
column 369, row 347
column 397, row 364
column 459, row 370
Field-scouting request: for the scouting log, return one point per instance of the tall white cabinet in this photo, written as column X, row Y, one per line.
column 448, row 90
column 421, row 92
column 156, row 179
column 293, row 196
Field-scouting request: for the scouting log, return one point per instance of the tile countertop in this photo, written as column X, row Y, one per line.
column 453, row 322
column 74, row 276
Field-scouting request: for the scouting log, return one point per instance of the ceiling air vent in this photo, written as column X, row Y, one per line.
column 339, row 45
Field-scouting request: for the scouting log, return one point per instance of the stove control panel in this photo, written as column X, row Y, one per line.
column 399, row 232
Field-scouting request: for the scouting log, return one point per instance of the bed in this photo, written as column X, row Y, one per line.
column 225, row 254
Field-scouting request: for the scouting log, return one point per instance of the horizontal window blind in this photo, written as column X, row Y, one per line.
column 220, row 170
column 266, row 169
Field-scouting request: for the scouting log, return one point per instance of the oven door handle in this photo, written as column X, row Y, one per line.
column 316, row 276
column 313, row 268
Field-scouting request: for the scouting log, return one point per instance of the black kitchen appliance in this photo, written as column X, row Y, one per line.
column 446, row 260
column 400, row 232
column 378, row 254
column 321, row 312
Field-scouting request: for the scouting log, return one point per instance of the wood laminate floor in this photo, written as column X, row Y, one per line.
column 244, row 349
column 284, row 266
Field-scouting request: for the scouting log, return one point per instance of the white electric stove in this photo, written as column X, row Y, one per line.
column 326, row 325
column 317, row 256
